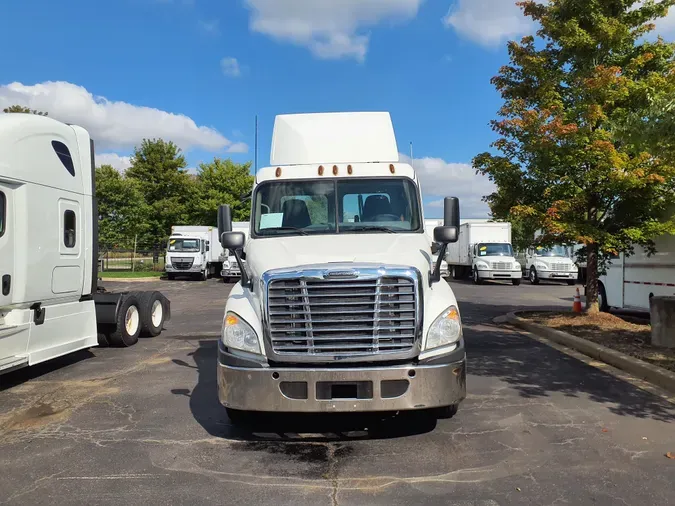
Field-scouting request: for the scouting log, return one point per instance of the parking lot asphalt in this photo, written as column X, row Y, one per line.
column 143, row 426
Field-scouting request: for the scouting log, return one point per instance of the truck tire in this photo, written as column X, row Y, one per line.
column 457, row 272
column 238, row 417
column 534, row 277
column 516, row 282
column 128, row 324
column 476, row 278
column 602, row 298
column 204, row 275
column 571, row 282
column 152, row 313
column 170, row 276
column 447, row 412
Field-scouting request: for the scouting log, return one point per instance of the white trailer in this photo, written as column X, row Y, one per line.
column 631, row 281
column 193, row 250
column 50, row 304
column 484, row 251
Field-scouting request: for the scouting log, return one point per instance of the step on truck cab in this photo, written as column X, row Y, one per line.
column 339, row 308
column 193, row 251
column 484, row 252
column 50, row 303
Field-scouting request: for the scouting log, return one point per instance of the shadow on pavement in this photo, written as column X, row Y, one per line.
column 268, row 430
column 15, row 378
column 536, row 370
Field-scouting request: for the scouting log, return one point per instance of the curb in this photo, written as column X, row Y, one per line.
column 648, row 372
column 130, row 280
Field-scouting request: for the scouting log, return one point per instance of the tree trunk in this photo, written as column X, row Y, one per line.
column 592, row 279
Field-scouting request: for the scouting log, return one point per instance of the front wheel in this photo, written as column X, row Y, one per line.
column 534, row 277
column 571, row 282
column 476, row 278
column 170, row 276
column 516, row 282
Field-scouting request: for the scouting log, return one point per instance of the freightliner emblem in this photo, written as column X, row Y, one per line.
column 340, row 274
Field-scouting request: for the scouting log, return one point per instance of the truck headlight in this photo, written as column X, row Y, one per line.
column 482, row 266
column 541, row 267
column 238, row 335
column 446, row 329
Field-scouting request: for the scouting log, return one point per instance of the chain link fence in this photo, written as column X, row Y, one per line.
column 112, row 259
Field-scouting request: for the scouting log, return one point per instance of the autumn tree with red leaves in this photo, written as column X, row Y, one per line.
column 585, row 148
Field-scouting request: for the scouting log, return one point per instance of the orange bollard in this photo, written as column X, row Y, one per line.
column 576, row 307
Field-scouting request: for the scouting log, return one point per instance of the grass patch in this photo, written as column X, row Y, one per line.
column 130, row 274
column 608, row 330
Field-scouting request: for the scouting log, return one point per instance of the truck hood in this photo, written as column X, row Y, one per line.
column 384, row 249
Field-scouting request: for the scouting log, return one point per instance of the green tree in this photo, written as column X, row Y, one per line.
column 22, row 109
column 569, row 159
column 122, row 212
column 220, row 182
column 157, row 167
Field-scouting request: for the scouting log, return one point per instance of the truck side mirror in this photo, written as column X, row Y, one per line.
column 224, row 222
column 448, row 233
column 233, row 240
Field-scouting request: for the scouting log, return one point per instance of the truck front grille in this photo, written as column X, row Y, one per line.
column 501, row 266
column 182, row 264
column 319, row 317
column 561, row 267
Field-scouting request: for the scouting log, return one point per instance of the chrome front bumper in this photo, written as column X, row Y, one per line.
column 500, row 274
column 406, row 387
column 561, row 275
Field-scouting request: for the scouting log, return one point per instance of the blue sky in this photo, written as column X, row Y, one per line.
column 198, row 71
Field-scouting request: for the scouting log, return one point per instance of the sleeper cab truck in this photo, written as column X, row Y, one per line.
column 50, row 304
column 340, row 307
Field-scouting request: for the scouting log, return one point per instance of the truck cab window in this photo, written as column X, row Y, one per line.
column 3, row 211
column 69, row 223
column 185, row 245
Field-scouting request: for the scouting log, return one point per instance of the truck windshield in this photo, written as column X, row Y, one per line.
column 494, row 250
column 342, row 206
column 555, row 251
column 184, row 245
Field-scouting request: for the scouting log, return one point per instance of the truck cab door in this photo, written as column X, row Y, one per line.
column 14, row 323
column 6, row 245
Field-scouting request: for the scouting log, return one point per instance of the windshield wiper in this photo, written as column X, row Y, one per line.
column 371, row 229
column 293, row 229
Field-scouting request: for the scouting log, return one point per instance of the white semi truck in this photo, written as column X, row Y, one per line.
column 50, row 304
column 484, row 251
column 193, row 251
column 339, row 307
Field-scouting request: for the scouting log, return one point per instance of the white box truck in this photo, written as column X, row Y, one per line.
column 193, row 251
column 484, row 251
column 230, row 266
column 631, row 281
column 339, row 307
column 552, row 263
column 50, row 303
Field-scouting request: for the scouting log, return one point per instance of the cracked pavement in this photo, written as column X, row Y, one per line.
column 143, row 425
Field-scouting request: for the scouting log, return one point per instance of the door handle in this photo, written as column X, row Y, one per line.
column 6, row 284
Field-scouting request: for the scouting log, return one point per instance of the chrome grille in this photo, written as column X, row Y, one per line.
column 501, row 266
column 182, row 264
column 342, row 318
column 560, row 267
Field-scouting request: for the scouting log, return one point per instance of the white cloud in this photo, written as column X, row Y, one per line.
column 439, row 178
column 238, row 147
column 230, row 67
column 488, row 22
column 113, row 125
column 211, row 27
column 121, row 163
column 491, row 22
column 331, row 29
